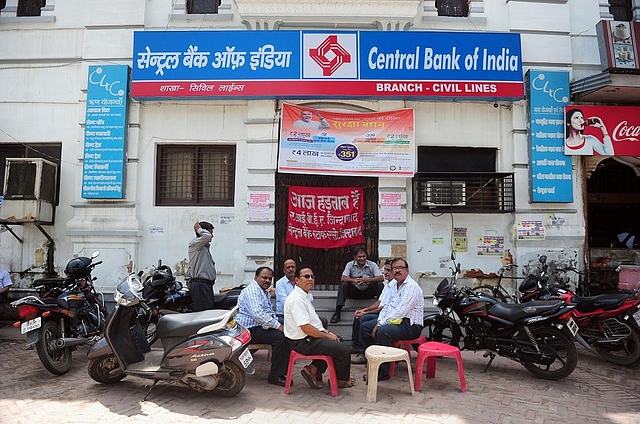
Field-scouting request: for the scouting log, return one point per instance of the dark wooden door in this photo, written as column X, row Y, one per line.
column 327, row 264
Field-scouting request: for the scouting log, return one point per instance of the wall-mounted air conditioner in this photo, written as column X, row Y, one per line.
column 29, row 190
column 442, row 193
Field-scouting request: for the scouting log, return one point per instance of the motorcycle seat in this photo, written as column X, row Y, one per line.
column 182, row 325
column 515, row 312
column 602, row 301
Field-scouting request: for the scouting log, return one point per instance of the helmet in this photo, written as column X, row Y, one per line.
column 161, row 278
column 78, row 267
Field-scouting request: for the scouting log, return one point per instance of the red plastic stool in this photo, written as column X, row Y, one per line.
column 333, row 379
column 406, row 345
column 431, row 351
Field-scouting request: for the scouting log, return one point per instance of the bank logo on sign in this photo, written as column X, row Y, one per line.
column 329, row 56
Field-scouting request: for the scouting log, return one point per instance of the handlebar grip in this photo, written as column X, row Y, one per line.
column 97, row 263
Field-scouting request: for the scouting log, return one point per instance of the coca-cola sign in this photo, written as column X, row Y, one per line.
column 602, row 130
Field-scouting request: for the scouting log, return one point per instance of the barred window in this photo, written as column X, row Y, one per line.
column 460, row 179
column 202, row 6
column 200, row 175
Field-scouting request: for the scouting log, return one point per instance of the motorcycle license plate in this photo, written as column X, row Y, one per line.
column 573, row 327
column 245, row 358
column 32, row 324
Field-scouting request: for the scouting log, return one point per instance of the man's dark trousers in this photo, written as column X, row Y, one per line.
column 279, row 348
column 349, row 290
column 387, row 334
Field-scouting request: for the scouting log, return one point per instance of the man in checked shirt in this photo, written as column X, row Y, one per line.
column 256, row 314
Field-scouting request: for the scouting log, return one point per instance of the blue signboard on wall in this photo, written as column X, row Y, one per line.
column 326, row 64
column 105, row 132
column 551, row 177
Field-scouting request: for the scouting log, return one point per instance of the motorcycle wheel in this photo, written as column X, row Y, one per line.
column 552, row 341
column 231, row 380
column 440, row 329
column 625, row 352
column 56, row 361
column 105, row 369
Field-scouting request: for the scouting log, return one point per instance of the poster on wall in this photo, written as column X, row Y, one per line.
column 602, row 130
column 325, row 217
column 390, row 207
column 376, row 144
column 551, row 175
column 490, row 246
column 460, row 240
column 530, row 230
column 259, row 206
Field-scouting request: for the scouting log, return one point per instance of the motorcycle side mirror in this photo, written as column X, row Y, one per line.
column 95, row 254
column 543, row 258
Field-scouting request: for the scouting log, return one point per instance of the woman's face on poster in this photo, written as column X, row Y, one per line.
column 577, row 121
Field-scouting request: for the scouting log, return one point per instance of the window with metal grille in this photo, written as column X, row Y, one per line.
column 454, row 8
column 202, row 6
column 461, row 179
column 200, row 175
column 463, row 192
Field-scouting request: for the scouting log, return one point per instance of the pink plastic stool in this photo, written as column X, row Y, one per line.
column 430, row 351
column 406, row 345
column 333, row 379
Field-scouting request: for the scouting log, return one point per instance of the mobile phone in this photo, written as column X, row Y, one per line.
column 592, row 121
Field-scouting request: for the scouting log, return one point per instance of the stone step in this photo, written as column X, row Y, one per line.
column 325, row 305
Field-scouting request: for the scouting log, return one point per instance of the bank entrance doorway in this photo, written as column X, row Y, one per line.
column 327, row 264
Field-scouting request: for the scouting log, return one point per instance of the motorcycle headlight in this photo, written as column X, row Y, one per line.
column 127, row 292
column 436, row 301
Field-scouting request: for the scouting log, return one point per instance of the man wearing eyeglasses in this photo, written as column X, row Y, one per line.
column 361, row 279
column 402, row 315
column 303, row 328
column 256, row 314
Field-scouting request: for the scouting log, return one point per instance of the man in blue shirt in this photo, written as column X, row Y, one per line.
column 5, row 283
column 284, row 286
column 256, row 314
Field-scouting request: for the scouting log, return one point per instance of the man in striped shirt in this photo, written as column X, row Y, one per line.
column 256, row 314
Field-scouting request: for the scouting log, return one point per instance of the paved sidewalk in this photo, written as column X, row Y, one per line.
column 596, row 392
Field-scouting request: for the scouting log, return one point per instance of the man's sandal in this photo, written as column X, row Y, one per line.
column 345, row 384
column 311, row 379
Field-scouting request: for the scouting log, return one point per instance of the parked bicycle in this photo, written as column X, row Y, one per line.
column 586, row 287
column 498, row 291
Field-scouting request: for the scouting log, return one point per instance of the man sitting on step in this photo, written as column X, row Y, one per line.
column 369, row 313
column 361, row 279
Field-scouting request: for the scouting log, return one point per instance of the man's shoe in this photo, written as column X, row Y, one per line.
column 354, row 349
column 335, row 318
column 359, row 359
column 278, row 381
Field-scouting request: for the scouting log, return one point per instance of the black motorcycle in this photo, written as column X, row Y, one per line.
column 540, row 334
column 67, row 312
column 162, row 295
